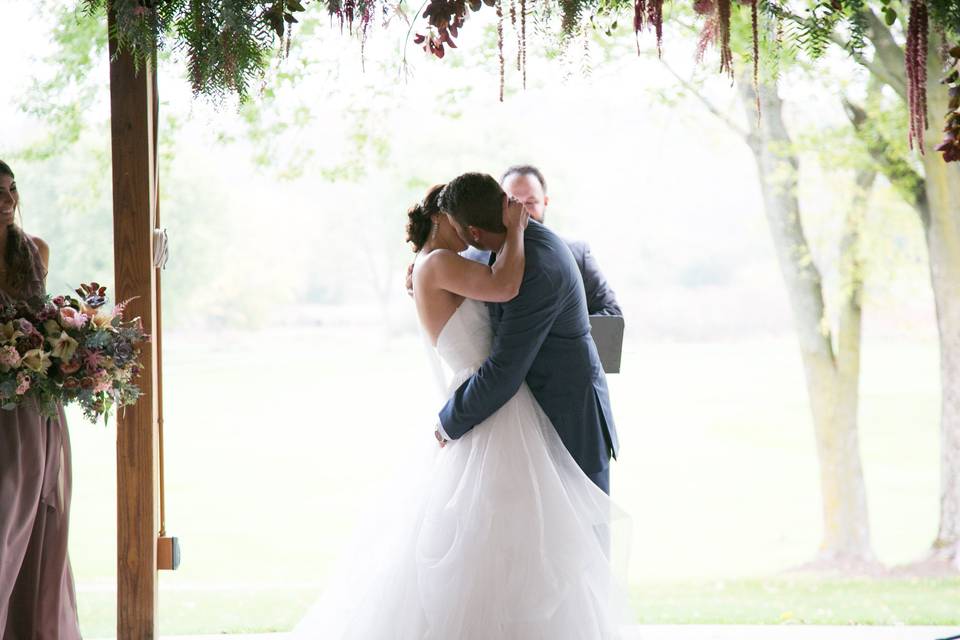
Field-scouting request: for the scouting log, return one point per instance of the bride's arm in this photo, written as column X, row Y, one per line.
column 498, row 283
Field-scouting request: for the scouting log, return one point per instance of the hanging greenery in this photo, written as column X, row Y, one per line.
column 228, row 44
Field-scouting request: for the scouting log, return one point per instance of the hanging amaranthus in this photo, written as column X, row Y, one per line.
column 347, row 12
column 513, row 25
column 523, row 42
column 500, row 45
column 648, row 13
column 950, row 147
column 639, row 17
column 655, row 20
column 723, row 26
column 915, row 61
column 367, row 8
column 708, row 34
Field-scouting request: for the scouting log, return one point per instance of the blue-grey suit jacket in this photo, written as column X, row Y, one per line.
column 601, row 300
column 543, row 336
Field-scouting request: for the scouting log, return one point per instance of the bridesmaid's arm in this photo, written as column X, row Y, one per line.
column 44, row 250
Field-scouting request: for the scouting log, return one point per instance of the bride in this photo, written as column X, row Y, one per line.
column 499, row 534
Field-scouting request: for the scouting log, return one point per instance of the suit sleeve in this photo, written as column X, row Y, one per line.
column 524, row 325
column 601, row 300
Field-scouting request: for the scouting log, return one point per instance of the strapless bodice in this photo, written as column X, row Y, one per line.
column 464, row 342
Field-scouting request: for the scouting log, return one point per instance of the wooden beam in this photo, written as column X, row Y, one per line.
column 134, row 195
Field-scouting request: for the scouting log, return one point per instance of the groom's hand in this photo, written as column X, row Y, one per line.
column 440, row 439
column 515, row 214
column 410, row 280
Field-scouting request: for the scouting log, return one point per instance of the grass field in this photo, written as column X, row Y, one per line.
column 275, row 440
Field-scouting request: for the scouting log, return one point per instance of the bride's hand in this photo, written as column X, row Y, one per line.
column 514, row 213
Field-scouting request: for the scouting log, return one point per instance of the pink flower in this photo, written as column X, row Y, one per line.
column 59, row 301
column 103, row 382
column 70, row 367
column 70, row 317
column 93, row 360
column 9, row 358
column 23, row 383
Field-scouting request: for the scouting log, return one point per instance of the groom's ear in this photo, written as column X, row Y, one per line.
column 474, row 233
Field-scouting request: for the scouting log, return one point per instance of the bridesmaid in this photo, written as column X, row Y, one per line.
column 37, row 599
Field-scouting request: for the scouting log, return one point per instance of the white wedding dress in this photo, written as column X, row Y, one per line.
column 500, row 535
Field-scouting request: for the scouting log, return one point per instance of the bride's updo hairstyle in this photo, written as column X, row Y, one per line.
column 420, row 217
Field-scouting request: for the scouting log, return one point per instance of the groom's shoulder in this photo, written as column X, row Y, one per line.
column 547, row 252
column 542, row 235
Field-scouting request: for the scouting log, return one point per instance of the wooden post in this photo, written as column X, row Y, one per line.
column 134, row 196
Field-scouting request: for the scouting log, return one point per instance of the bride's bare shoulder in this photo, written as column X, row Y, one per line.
column 428, row 263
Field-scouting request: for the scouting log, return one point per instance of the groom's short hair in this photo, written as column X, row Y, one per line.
column 474, row 199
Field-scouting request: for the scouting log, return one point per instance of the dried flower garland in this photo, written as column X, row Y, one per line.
column 915, row 62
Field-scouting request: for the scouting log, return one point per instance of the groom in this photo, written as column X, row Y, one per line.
column 541, row 336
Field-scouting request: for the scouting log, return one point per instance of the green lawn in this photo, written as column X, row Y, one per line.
column 770, row 601
column 275, row 441
column 806, row 601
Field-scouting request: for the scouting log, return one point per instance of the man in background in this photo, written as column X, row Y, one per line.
column 527, row 184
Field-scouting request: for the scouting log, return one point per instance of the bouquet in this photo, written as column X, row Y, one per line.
column 69, row 349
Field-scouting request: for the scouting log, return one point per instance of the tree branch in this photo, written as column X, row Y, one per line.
column 888, row 51
column 898, row 171
column 712, row 108
column 889, row 69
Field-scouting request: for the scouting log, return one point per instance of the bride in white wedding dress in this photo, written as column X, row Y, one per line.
column 498, row 535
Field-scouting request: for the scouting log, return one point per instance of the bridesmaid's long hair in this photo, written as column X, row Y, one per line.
column 18, row 259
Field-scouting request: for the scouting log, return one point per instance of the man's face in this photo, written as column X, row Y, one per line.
column 462, row 232
column 527, row 189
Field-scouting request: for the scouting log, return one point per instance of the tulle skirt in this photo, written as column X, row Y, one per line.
column 497, row 536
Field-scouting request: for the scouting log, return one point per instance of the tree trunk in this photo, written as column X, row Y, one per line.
column 832, row 383
column 943, row 241
column 850, row 470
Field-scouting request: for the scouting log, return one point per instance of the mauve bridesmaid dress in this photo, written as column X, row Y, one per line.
column 37, row 598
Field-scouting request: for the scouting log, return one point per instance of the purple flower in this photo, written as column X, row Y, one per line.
column 26, row 327
column 122, row 352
